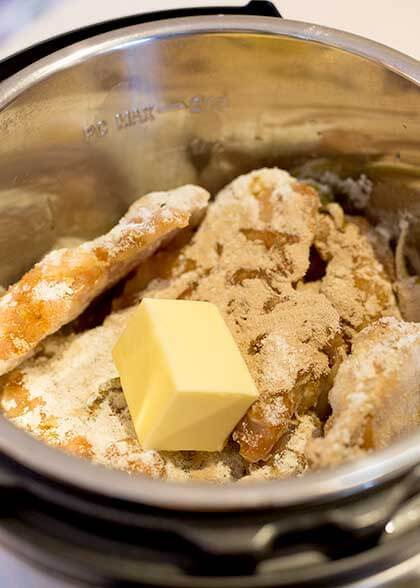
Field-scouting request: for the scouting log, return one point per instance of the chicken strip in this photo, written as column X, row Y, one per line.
column 376, row 395
column 65, row 281
column 355, row 281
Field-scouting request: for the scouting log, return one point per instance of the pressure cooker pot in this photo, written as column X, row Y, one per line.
column 88, row 122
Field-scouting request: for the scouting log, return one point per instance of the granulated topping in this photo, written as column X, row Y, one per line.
column 47, row 291
column 70, row 397
column 355, row 281
column 252, row 257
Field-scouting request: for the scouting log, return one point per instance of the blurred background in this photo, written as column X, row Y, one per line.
column 25, row 22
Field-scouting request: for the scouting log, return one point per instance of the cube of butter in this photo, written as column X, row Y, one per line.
column 184, row 379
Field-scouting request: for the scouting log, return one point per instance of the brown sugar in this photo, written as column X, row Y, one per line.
column 294, row 281
column 250, row 256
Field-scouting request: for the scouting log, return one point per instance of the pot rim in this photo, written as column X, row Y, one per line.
column 316, row 487
column 71, row 472
column 74, row 54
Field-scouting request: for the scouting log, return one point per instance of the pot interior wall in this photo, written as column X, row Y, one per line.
column 78, row 146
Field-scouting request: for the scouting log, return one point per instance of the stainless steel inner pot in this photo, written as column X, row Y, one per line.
column 89, row 128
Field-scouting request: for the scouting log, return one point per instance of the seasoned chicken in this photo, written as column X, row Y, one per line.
column 260, row 255
column 295, row 280
column 355, row 281
column 289, row 458
column 376, row 394
column 62, row 284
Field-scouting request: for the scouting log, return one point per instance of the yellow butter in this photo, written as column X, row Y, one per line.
column 184, row 379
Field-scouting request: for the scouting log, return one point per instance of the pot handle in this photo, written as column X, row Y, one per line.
column 18, row 61
column 336, row 531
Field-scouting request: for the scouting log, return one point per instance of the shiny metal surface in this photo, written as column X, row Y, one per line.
column 87, row 130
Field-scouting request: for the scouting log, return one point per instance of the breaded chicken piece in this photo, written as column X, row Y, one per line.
column 376, row 394
column 289, row 458
column 355, row 281
column 65, row 281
